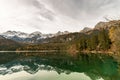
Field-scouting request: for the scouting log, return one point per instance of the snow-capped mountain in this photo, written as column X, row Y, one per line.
column 37, row 33
column 10, row 34
column 31, row 38
column 61, row 33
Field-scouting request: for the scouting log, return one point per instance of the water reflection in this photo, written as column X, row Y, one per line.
column 58, row 66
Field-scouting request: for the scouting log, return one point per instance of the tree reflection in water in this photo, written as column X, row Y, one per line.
column 95, row 66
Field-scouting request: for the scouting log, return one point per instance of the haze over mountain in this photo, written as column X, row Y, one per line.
column 50, row 16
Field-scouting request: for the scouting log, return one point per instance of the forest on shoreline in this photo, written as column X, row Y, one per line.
column 104, row 37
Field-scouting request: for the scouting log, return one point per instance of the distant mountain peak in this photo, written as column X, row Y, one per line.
column 32, row 37
column 10, row 34
column 61, row 33
column 36, row 32
column 86, row 29
column 101, row 25
column 107, row 25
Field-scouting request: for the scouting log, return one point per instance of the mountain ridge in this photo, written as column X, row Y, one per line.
column 103, row 38
column 29, row 37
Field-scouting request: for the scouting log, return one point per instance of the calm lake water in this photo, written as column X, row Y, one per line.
column 58, row 66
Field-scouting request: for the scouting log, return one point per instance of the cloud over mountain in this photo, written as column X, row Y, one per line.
column 54, row 15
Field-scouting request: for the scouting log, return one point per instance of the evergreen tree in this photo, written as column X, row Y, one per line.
column 104, row 41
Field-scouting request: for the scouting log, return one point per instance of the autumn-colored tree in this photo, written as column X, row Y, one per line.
column 114, row 34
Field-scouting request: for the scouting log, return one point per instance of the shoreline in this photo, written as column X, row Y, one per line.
column 105, row 52
column 71, row 52
column 29, row 51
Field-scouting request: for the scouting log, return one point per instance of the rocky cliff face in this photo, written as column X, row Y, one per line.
column 86, row 29
column 107, row 25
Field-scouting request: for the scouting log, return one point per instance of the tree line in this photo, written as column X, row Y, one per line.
column 96, row 40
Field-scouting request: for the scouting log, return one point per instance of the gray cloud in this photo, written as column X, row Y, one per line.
column 53, row 15
column 42, row 10
column 83, row 8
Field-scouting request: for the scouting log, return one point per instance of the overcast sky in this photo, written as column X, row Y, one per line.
column 49, row 16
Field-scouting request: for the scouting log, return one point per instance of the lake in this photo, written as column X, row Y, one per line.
column 57, row 66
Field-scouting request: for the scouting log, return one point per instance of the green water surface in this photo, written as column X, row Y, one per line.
column 58, row 66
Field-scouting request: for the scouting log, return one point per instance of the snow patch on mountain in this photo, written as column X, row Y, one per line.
column 10, row 34
column 32, row 37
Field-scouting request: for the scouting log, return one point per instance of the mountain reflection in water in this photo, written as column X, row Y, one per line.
column 58, row 66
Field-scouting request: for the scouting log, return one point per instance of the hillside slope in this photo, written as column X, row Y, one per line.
column 7, row 44
column 105, row 37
